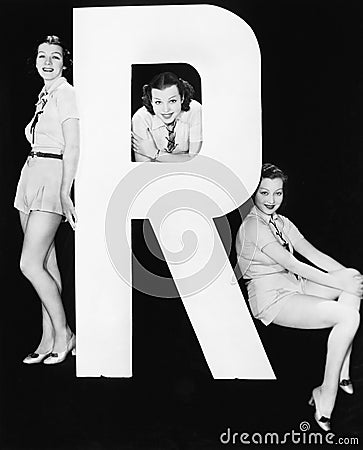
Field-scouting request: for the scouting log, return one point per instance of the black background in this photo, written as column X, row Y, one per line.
column 312, row 128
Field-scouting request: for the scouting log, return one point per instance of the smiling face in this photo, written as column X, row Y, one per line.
column 49, row 61
column 166, row 103
column 269, row 195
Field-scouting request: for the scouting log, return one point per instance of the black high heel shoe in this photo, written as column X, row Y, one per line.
column 346, row 385
column 322, row 421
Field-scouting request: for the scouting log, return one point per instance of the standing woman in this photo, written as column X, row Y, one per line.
column 168, row 128
column 287, row 292
column 43, row 195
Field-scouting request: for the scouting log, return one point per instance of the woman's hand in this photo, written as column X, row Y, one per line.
column 69, row 211
column 351, row 281
column 146, row 146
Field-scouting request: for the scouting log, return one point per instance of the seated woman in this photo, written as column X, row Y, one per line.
column 287, row 292
column 168, row 128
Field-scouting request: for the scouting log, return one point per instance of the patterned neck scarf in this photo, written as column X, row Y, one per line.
column 42, row 101
column 278, row 233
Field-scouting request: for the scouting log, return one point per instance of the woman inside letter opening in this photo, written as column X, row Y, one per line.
column 168, row 128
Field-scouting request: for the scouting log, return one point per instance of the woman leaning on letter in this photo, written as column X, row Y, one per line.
column 43, row 195
column 287, row 292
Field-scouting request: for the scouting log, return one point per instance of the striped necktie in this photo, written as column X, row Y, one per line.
column 171, row 145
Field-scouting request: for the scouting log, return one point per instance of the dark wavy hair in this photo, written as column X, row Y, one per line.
column 271, row 171
column 55, row 40
column 164, row 80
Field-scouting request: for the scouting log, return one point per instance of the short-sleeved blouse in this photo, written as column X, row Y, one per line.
column 254, row 234
column 188, row 128
column 53, row 108
column 40, row 180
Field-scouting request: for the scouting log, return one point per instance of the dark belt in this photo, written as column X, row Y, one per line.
column 45, row 155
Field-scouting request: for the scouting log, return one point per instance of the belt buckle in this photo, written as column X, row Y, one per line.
column 32, row 158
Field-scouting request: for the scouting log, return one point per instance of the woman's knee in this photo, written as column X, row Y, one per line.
column 352, row 271
column 29, row 266
column 337, row 313
column 350, row 317
column 356, row 318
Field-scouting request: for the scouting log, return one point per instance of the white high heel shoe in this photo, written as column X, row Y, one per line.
column 346, row 385
column 56, row 358
column 322, row 421
column 35, row 358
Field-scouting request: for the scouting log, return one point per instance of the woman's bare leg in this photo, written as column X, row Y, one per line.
column 344, row 298
column 51, row 266
column 46, row 341
column 39, row 235
column 354, row 302
column 50, row 262
column 309, row 312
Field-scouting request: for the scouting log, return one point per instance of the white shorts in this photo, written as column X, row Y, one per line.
column 268, row 294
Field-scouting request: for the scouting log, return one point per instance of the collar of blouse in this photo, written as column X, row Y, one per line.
column 44, row 94
column 156, row 122
column 265, row 217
